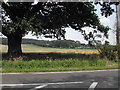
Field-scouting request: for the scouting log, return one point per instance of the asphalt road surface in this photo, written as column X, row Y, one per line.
column 80, row 80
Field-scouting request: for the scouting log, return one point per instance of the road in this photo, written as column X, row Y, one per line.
column 81, row 80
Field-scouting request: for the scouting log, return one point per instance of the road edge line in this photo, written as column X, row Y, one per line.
column 60, row 72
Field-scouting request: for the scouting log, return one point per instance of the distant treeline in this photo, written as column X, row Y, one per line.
column 53, row 44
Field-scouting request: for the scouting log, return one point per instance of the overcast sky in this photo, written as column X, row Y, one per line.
column 75, row 35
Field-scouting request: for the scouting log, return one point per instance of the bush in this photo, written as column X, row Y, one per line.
column 110, row 52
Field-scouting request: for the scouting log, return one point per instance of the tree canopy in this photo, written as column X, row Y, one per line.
column 49, row 19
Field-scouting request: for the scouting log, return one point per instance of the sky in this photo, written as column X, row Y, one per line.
column 75, row 35
column 109, row 21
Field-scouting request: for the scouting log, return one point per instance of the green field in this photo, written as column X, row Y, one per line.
column 42, row 59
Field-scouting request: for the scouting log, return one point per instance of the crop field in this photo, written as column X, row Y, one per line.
column 29, row 48
column 43, row 59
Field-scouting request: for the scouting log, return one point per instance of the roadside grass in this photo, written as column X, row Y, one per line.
column 57, row 65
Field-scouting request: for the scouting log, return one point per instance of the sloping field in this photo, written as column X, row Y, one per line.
column 29, row 48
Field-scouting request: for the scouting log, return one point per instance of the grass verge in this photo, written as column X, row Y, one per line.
column 57, row 65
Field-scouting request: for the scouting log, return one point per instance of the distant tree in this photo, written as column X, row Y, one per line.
column 47, row 18
column 65, row 44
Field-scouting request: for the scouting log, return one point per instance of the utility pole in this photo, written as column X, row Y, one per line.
column 118, row 30
column 117, row 25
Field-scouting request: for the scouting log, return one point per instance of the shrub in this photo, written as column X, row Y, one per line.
column 110, row 52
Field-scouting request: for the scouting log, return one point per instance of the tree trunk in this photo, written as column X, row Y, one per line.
column 14, row 46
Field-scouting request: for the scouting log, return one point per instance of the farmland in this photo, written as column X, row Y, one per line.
column 30, row 48
column 42, row 59
column 34, row 52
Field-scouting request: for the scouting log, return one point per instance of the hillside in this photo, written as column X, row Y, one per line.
column 52, row 44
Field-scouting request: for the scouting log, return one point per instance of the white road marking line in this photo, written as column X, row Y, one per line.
column 54, row 84
column 2, row 85
column 59, row 72
column 38, row 87
column 39, row 84
column 64, row 83
column 16, row 84
column 93, row 85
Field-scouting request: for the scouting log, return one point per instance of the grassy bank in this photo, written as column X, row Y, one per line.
column 57, row 65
